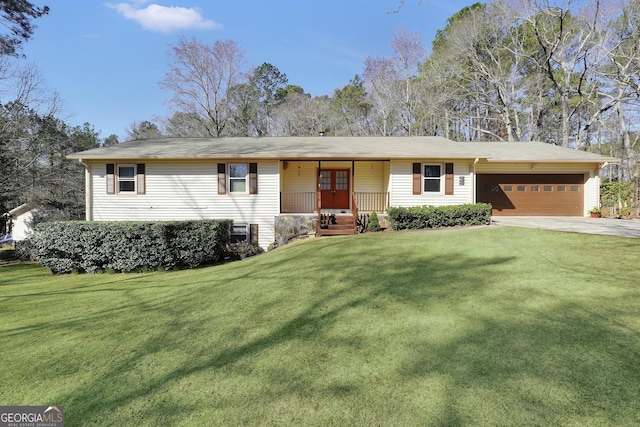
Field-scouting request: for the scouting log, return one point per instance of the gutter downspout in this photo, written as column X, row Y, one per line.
column 88, row 191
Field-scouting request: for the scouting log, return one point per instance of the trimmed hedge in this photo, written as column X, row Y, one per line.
column 239, row 251
column 68, row 246
column 420, row 217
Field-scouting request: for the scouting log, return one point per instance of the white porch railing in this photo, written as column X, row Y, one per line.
column 369, row 202
column 306, row 202
column 298, row 202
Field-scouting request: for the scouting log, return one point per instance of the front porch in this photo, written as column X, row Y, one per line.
column 309, row 186
column 339, row 194
column 335, row 221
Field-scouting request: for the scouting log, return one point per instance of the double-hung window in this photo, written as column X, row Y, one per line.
column 432, row 177
column 239, row 233
column 126, row 178
column 244, row 233
column 238, row 178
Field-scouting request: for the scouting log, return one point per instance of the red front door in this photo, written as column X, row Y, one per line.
column 334, row 188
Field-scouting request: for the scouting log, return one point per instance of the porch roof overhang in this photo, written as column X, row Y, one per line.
column 338, row 148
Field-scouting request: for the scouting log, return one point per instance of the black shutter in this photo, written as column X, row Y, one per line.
column 448, row 179
column 417, row 179
column 253, row 178
column 253, row 234
column 111, row 178
column 222, row 178
column 141, row 183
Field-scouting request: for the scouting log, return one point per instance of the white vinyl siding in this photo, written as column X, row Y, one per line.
column 370, row 177
column 299, row 182
column 187, row 190
column 401, row 184
column 299, row 177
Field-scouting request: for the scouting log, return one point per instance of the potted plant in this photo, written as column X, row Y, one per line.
column 595, row 212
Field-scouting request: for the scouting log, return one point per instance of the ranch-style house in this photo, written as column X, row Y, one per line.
column 274, row 187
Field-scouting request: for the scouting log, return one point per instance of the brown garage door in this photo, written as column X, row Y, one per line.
column 518, row 194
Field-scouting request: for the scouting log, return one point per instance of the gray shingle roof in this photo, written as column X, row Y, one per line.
column 338, row 148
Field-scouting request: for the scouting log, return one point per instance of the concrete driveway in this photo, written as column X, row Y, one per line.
column 607, row 226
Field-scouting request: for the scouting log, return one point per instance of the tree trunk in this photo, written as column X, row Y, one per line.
column 565, row 118
column 628, row 153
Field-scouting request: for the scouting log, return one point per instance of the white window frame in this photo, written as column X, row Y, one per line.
column 120, row 179
column 237, row 179
column 439, row 178
column 240, row 230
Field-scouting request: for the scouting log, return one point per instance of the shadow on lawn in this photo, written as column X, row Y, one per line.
column 551, row 367
column 530, row 359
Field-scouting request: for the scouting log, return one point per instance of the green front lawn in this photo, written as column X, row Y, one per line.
column 484, row 326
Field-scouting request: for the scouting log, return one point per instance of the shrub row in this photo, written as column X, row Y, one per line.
column 68, row 246
column 419, row 217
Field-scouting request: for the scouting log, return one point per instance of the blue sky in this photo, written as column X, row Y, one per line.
column 105, row 58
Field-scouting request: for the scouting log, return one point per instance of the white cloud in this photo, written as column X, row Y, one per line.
column 164, row 19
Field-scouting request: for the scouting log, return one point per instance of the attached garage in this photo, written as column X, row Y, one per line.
column 533, row 194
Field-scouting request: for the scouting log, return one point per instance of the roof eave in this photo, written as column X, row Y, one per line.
column 288, row 157
column 558, row 161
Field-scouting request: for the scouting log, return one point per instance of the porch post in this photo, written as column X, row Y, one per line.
column 474, row 181
column 318, row 199
column 353, row 182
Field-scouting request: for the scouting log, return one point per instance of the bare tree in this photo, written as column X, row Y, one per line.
column 28, row 100
column 524, row 69
column 200, row 76
column 486, row 71
column 623, row 73
column 456, row 95
column 381, row 81
column 567, row 38
column 409, row 53
column 23, row 83
column 301, row 115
